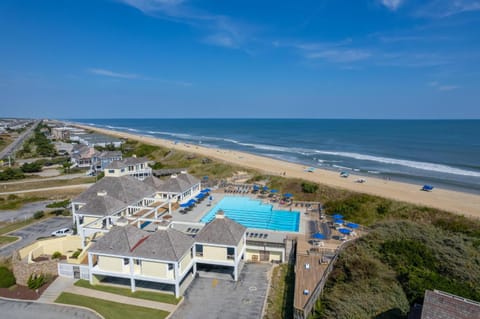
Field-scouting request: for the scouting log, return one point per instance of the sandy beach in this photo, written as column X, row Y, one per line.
column 452, row 201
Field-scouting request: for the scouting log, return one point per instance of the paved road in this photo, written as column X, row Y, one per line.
column 10, row 149
column 215, row 298
column 49, row 189
column 26, row 211
column 10, row 309
column 30, row 233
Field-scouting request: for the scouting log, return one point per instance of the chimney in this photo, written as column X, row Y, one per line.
column 220, row 214
column 102, row 193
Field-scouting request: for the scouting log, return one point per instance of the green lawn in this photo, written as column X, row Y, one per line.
column 6, row 240
column 111, row 310
column 148, row 295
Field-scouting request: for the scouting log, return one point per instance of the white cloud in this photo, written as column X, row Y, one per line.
column 340, row 55
column 448, row 87
column 112, row 74
column 223, row 40
column 442, row 87
column 392, row 4
column 221, row 30
column 446, row 8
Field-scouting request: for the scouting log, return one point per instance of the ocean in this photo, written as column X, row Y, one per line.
column 443, row 153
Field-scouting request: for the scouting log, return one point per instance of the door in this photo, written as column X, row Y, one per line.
column 264, row 255
column 76, row 272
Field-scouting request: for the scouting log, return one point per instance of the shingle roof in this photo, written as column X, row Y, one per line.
column 125, row 188
column 102, row 205
column 120, row 241
column 126, row 162
column 157, row 183
column 169, row 245
column 221, row 231
column 438, row 304
column 179, row 183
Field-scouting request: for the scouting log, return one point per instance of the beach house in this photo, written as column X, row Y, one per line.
column 164, row 257
column 130, row 166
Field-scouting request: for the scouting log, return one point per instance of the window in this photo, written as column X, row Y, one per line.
column 230, row 253
column 191, row 252
column 170, row 267
column 199, row 250
column 111, row 171
column 122, row 170
column 138, row 262
column 126, row 261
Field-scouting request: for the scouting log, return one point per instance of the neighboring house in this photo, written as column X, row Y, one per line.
column 95, row 139
column 438, row 304
column 165, row 256
column 183, row 185
column 82, row 156
column 99, row 207
column 130, row 166
column 221, row 242
column 96, row 209
column 100, row 160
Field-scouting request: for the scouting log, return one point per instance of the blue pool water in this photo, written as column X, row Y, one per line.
column 253, row 214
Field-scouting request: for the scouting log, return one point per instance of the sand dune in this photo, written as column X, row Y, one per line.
column 456, row 202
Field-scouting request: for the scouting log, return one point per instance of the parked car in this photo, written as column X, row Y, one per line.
column 62, row 232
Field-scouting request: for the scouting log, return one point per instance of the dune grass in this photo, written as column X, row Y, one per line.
column 141, row 294
column 111, row 310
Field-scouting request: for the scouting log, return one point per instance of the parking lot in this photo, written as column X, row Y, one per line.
column 211, row 298
column 31, row 233
column 31, row 310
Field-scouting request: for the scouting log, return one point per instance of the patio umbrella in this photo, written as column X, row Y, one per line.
column 345, row 231
column 273, row 191
column 256, row 188
column 337, row 216
column 265, row 188
column 192, row 201
column 338, row 221
column 206, row 190
column 200, row 196
column 287, row 195
column 352, row 225
column 319, row 236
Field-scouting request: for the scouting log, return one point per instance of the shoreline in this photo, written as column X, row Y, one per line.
column 462, row 203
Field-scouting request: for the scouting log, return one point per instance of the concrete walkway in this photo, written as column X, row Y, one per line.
column 121, row 299
column 49, row 189
column 55, row 289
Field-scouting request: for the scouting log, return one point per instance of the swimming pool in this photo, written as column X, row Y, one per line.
column 253, row 214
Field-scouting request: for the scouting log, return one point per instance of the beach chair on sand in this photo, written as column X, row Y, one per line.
column 427, row 188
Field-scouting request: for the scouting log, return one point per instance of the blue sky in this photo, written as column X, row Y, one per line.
column 204, row 58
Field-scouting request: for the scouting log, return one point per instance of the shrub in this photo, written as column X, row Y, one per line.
column 60, row 204
column 57, row 255
column 39, row 214
column 36, row 281
column 76, row 254
column 309, row 187
column 7, row 278
column 32, row 167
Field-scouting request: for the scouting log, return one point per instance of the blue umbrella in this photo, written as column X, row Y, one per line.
column 273, row 191
column 192, row 201
column 206, row 190
column 338, row 221
column 185, row 204
column 319, row 236
column 352, row 225
column 265, row 188
column 256, row 188
column 200, row 196
column 287, row 195
column 345, row 231
column 337, row 216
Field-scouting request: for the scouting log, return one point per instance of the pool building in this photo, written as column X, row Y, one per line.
column 134, row 233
